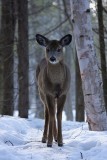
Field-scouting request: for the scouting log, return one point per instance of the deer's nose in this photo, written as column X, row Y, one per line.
column 52, row 59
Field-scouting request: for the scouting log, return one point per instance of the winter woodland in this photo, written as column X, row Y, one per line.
column 85, row 109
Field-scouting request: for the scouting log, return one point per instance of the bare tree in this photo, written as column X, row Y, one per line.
column 79, row 95
column 68, row 103
column 91, row 80
column 68, row 57
column 39, row 106
column 23, row 58
column 102, row 48
column 39, row 111
column 8, row 21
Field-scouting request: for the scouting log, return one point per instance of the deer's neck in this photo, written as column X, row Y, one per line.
column 56, row 72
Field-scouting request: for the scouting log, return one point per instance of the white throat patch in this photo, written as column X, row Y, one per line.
column 54, row 62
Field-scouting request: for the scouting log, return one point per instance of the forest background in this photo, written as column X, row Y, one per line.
column 20, row 21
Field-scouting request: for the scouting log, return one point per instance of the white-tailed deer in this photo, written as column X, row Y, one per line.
column 53, row 77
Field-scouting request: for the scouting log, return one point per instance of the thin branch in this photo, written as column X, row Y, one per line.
column 56, row 27
column 9, row 142
column 96, row 31
column 104, row 10
column 41, row 9
column 32, row 39
column 67, row 14
column 81, row 155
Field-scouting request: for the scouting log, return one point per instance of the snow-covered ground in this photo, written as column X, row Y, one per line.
column 20, row 139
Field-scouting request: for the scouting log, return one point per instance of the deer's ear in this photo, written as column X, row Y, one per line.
column 65, row 40
column 43, row 41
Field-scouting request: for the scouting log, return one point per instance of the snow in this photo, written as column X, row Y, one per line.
column 20, row 139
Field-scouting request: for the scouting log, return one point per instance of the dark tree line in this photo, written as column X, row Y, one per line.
column 23, row 65
column 102, row 47
column 8, row 21
column 15, row 11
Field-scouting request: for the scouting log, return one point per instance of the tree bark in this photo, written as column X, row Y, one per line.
column 39, row 106
column 68, row 60
column 8, row 21
column 91, row 79
column 102, row 49
column 68, row 103
column 23, row 65
column 79, row 95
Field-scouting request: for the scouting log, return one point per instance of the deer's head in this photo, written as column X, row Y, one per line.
column 54, row 48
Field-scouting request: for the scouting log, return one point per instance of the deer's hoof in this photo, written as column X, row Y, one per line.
column 49, row 145
column 60, row 144
column 43, row 140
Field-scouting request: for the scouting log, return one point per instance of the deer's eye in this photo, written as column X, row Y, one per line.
column 59, row 50
column 47, row 49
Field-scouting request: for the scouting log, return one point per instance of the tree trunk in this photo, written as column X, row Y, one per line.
column 68, row 60
column 102, row 49
column 91, row 80
column 23, row 65
column 68, row 103
column 39, row 106
column 7, row 44
column 1, row 83
column 79, row 95
column 1, row 68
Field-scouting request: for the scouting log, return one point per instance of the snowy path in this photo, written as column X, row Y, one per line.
column 20, row 139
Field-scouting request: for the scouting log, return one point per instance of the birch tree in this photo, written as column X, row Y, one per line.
column 90, row 74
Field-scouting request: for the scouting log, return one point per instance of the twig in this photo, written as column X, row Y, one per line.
column 79, row 133
column 41, row 9
column 104, row 10
column 9, row 142
column 67, row 14
column 81, row 155
column 56, row 27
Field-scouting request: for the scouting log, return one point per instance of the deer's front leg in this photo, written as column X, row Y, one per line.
column 44, row 138
column 55, row 131
column 60, row 105
column 51, row 111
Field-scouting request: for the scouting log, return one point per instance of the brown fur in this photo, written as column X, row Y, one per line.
column 53, row 84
